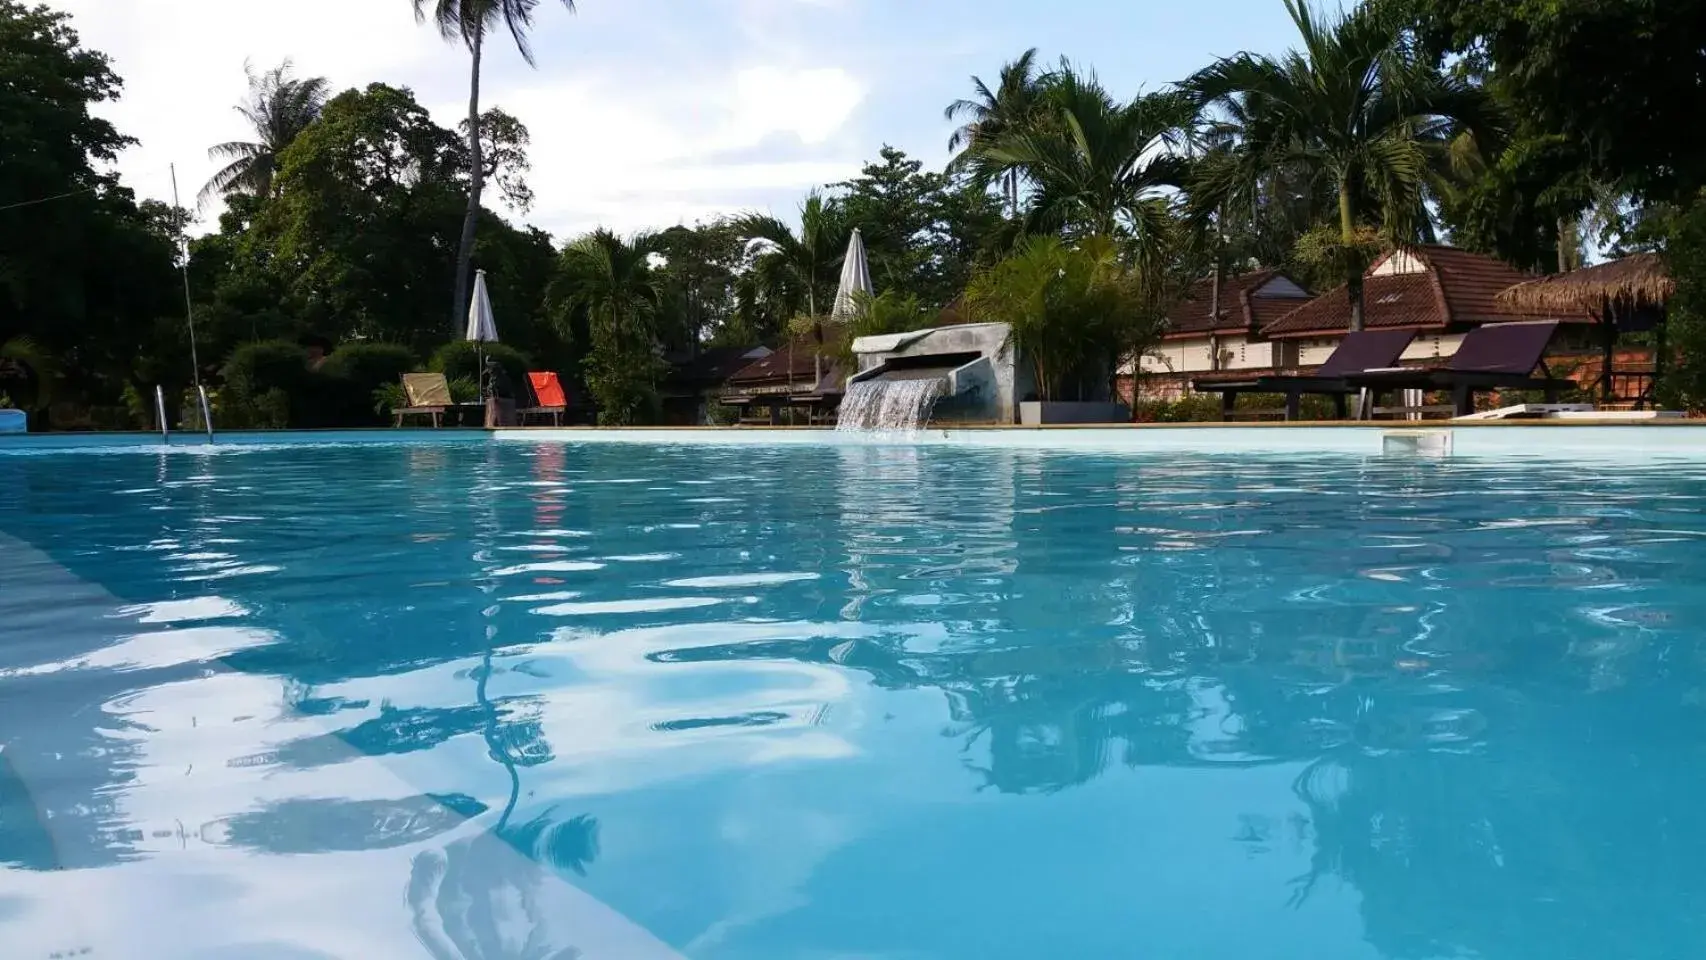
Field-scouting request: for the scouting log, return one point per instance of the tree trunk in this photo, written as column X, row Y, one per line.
column 1354, row 271
column 476, row 186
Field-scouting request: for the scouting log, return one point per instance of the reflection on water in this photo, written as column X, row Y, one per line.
column 525, row 701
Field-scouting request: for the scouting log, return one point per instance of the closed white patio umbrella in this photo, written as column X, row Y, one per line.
column 855, row 280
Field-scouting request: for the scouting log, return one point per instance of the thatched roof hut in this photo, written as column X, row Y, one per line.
column 1635, row 284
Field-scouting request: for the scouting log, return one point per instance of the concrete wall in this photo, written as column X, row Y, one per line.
column 1000, row 384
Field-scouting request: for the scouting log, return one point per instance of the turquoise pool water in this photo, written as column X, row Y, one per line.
column 514, row 699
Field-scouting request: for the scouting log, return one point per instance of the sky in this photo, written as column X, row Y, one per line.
column 649, row 113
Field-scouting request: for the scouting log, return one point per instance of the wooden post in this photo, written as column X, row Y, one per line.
column 1608, row 334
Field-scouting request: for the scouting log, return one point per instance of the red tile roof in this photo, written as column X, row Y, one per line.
column 1455, row 289
column 797, row 366
column 1241, row 310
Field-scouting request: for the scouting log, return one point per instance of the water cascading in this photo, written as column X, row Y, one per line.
column 888, row 404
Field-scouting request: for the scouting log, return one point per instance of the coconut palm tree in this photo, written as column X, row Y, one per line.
column 612, row 287
column 279, row 107
column 1357, row 107
column 994, row 113
column 468, row 22
column 794, row 272
column 1096, row 165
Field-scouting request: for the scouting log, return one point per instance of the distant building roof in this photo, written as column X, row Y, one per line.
column 1247, row 303
column 1426, row 287
column 795, row 364
column 712, row 365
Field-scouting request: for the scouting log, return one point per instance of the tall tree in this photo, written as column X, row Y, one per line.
column 993, row 113
column 614, row 288
column 1099, row 166
column 1359, row 106
column 279, row 107
column 1615, row 80
column 468, row 22
column 793, row 273
column 85, row 276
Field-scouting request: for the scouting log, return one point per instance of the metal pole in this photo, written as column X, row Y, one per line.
column 189, row 310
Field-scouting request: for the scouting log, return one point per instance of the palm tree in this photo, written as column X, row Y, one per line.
column 1099, row 166
column 995, row 113
column 613, row 286
column 793, row 272
column 279, row 108
column 467, row 22
column 1357, row 107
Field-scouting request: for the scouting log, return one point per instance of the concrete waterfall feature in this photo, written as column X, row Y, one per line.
column 968, row 370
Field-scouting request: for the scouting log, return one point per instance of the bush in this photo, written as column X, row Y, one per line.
column 1205, row 408
column 268, row 384
column 459, row 360
column 349, row 377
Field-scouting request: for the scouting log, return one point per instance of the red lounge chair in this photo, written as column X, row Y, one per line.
column 1498, row 356
column 548, row 397
column 1360, row 351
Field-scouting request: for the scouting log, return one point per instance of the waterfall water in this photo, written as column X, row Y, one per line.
column 888, row 404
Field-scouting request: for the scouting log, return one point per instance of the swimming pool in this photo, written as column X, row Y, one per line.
column 459, row 697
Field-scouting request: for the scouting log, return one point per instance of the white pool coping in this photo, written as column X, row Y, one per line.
column 1572, row 442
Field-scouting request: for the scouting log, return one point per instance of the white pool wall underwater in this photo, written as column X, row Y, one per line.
column 1672, row 440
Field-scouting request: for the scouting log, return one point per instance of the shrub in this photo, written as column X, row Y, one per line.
column 349, row 377
column 269, row 385
column 1073, row 309
column 459, row 360
column 1205, row 408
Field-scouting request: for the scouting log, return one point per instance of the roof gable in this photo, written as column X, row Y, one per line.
column 1426, row 287
column 1247, row 302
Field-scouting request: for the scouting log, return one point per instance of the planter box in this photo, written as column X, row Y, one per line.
column 1035, row 414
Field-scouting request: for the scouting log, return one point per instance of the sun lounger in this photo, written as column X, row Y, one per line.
column 548, row 398
column 1363, row 350
column 428, row 395
column 1498, row 356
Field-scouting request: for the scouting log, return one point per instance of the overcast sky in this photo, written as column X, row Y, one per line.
column 649, row 113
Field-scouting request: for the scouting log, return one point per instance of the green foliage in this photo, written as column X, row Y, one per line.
column 1684, row 386
column 388, row 397
column 791, row 273
column 612, row 287
column 268, row 384
column 460, row 360
column 85, row 271
column 1206, row 408
column 27, row 374
column 1616, row 80
column 279, row 108
column 346, row 381
column 1074, row 310
column 1358, row 107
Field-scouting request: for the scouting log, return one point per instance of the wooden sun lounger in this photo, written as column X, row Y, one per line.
column 1498, row 356
column 428, row 396
column 1359, row 351
column 548, row 398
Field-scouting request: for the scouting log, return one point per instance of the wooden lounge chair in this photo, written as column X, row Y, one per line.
column 428, row 395
column 548, row 398
column 1363, row 350
column 1498, row 356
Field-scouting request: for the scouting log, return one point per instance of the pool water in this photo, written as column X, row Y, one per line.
column 518, row 699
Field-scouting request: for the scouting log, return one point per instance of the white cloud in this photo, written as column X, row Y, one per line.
column 621, row 142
